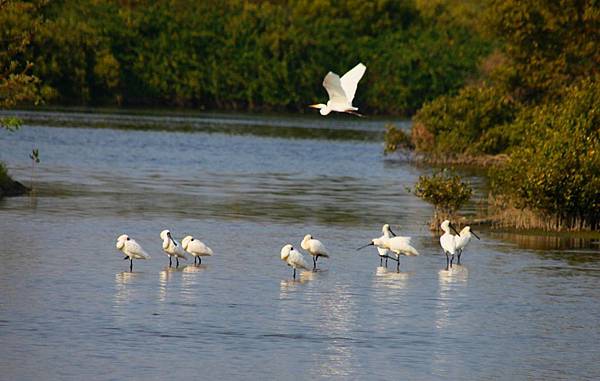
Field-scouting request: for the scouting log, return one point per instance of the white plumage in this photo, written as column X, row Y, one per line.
column 383, row 252
column 341, row 91
column 131, row 249
column 196, row 248
column 293, row 258
column 171, row 247
column 463, row 239
column 397, row 245
column 314, row 248
column 448, row 242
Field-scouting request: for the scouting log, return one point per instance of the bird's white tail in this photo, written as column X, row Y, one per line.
column 411, row 251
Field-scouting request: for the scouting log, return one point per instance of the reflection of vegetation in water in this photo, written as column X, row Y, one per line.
column 545, row 241
column 223, row 128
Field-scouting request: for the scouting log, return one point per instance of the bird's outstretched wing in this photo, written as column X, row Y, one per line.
column 136, row 250
column 333, row 85
column 349, row 81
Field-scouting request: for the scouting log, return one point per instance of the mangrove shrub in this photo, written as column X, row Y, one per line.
column 445, row 191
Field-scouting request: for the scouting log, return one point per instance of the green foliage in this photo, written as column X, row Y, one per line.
column 395, row 138
column 18, row 22
column 550, row 43
column 471, row 122
column 519, row 106
column 445, row 191
column 557, row 169
column 233, row 54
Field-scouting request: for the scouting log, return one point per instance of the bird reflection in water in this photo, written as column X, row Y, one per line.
column 391, row 278
column 291, row 284
column 448, row 280
column 123, row 290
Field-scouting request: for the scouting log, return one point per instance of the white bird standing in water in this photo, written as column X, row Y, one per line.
column 196, row 248
column 383, row 252
column 131, row 249
column 293, row 258
column 314, row 248
column 171, row 247
column 341, row 91
column 448, row 242
column 463, row 239
column 397, row 245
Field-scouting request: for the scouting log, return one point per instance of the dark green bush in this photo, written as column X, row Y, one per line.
column 557, row 168
column 395, row 138
column 466, row 123
column 232, row 54
column 445, row 191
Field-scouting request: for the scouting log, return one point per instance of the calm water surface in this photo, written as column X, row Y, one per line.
column 521, row 307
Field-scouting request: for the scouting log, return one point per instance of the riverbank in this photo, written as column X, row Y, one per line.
column 8, row 186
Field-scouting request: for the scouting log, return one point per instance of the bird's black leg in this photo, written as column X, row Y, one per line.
column 170, row 261
column 177, row 259
column 447, row 261
column 458, row 259
column 294, row 273
column 398, row 264
column 451, row 259
column 380, row 261
column 386, row 258
column 314, row 263
column 199, row 260
column 130, row 264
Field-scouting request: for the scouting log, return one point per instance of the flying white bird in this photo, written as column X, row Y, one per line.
column 293, row 258
column 314, row 248
column 171, row 247
column 131, row 249
column 448, row 242
column 341, row 91
column 196, row 248
column 463, row 239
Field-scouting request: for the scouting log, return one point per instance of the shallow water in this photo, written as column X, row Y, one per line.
column 518, row 308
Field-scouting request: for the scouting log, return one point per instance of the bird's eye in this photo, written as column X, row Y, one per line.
column 128, row 238
column 192, row 239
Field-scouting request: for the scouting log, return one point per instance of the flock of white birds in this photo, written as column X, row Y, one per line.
column 341, row 93
column 389, row 246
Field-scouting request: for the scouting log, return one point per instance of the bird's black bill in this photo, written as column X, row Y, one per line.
column 476, row 236
column 367, row 245
column 171, row 238
column 452, row 227
column 394, row 234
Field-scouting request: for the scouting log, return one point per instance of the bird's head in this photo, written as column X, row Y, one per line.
column 121, row 241
column 386, row 229
column 468, row 229
column 186, row 241
column 285, row 251
column 323, row 109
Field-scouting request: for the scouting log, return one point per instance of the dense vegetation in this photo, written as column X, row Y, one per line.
column 232, row 54
column 536, row 102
